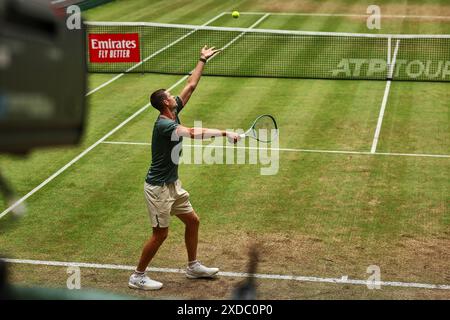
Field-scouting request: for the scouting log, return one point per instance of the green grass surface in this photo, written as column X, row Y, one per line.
column 324, row 215
column 419, row 121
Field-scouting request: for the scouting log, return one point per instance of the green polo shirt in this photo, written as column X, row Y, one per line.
column 164, row 169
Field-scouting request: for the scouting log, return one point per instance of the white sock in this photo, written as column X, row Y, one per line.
column 139, row 273
column 191, row 263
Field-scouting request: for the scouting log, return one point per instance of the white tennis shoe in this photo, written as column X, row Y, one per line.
column 200, row 271
column 143, row 282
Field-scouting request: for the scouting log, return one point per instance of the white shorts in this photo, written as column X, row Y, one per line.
column 164, row 201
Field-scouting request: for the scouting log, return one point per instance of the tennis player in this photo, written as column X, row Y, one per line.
column 162, row 189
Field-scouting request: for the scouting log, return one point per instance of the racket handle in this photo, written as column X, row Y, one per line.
column 242, row 136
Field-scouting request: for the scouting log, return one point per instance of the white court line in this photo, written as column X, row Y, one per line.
column 295, row 150
column 384, row 102
column 57, row 173
column 312, row 14
column 150, row 56
column 81, row 155
column 342, row 280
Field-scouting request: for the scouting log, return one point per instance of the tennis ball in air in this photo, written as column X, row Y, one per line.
column 235, row 14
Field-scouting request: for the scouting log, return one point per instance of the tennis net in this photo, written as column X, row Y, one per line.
column 174, row 49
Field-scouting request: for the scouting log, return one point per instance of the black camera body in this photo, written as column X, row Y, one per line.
column 42, row 77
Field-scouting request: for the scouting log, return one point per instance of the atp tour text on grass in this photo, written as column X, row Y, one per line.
column 438, row 69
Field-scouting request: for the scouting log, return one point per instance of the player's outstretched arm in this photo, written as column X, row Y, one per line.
column 205, row 133
column 193, row 80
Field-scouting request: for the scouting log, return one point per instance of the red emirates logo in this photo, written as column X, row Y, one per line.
column 114, row 47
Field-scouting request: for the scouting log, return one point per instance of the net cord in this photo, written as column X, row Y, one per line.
column 268, row 31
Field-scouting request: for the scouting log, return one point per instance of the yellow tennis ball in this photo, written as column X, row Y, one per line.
column 235, row 14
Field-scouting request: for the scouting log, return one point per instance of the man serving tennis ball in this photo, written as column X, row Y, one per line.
column 162, row 188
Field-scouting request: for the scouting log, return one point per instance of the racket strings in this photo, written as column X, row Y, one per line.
column 264, row 129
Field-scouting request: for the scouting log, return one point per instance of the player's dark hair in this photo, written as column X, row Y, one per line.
column 157, row 99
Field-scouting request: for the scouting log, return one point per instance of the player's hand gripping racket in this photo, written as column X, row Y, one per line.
column 264, row 129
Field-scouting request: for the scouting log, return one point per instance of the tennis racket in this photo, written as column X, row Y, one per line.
column 263, row 129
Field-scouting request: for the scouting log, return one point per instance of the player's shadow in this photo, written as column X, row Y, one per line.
column 8, row 223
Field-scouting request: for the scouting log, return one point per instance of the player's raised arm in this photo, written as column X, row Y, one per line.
column 205, row 133
column 193, row 80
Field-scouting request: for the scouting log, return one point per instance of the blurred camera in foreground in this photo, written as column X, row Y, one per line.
column 42, row 77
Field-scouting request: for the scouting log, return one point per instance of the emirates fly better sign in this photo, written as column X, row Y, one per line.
column 114, row 47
